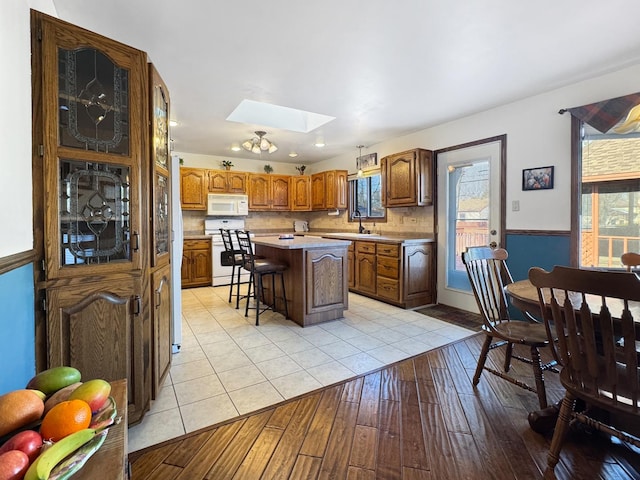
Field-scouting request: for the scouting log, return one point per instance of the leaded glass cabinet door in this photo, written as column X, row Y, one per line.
column 160, row 218
column 92, row 169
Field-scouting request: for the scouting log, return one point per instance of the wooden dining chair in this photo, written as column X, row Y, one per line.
column 488, row 274
column 594, row 317
column 631, row 260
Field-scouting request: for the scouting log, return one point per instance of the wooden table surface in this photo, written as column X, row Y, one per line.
column 110, row 461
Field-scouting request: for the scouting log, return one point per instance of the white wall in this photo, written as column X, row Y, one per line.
column 255, row 164
column 536, row 136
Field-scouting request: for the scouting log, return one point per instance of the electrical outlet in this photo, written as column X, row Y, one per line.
column 410, row 220
column 515, row 206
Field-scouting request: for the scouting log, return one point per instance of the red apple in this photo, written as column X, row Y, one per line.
column 27, row 441
column 13, row 465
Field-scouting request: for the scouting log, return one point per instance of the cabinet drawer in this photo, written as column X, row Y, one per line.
column 388, row 288
column 388, row 250
column 196, row 244
column 387, row 266
column 365, row 247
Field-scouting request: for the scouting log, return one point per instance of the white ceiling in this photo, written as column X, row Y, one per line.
column 382, row 68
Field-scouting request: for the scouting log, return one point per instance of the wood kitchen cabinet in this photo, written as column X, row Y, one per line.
column 94, row 187
column 329, row 190
column 388, row 271
column 407, row 178
column 193, row 188
column 196, row 263
column 269, row 192
column 400, row 273
column 365, row 267
column 227, row 181
column 160, row 327
column 300, row 193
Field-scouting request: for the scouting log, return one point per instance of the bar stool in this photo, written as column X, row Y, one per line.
column 258, row 268
column 233, row 259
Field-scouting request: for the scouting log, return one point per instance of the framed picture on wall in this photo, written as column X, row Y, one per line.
column 539, row 178
column 369, row 161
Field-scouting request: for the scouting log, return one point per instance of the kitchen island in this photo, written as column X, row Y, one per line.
column 316, row 278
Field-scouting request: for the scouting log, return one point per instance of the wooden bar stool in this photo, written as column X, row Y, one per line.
column 234, row 259
column 259, row 268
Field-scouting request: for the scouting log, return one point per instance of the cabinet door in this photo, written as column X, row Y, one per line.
column 160, row 188
column 193, row 189
column 426, row 177
column 317, row 191
column 237, row 182
column 418, row 273
column 161, row 327
column 351, row 273
column 342, row 190
column 259, row 192
column 301, row 193
column 400, row 179
column 201, row 266
column 280, row 192
column 185, row 269
column 366, row 272
column 217, row 181
column 98, row 329
column 325, row 270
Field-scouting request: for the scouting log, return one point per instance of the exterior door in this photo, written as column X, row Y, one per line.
column 470, row 212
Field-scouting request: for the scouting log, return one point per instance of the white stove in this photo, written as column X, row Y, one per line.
column 212, row 226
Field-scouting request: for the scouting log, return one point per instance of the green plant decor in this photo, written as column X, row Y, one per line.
column 268, row 168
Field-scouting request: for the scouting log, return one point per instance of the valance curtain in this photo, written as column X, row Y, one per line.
column 606, row 114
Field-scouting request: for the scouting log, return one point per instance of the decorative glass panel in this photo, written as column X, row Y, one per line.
column 94, row 213
column 93, row 102
column 160, row 128
column 161, row 224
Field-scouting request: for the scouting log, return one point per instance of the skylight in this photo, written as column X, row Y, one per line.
column 275, row 116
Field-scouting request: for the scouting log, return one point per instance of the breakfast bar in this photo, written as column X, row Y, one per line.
column 316, row 278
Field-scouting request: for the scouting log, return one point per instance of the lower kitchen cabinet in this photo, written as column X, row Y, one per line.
column 196, row 263
column 160, row 327
column 365, row 267
column 397, row 273
column 103, row 331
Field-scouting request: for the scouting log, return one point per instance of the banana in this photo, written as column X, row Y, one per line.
column 41, row 468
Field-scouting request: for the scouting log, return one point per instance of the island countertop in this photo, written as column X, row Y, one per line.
column 299, row 242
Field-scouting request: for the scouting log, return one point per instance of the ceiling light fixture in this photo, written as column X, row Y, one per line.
column 358, row 167
column 319, row 144
column 293, row 154
column 173, row 123
column 259, row 144
column 235, row 147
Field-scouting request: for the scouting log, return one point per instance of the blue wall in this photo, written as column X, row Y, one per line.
column 526, row 251
column 17, row 330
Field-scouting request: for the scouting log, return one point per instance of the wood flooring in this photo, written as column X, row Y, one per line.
column 417, row 419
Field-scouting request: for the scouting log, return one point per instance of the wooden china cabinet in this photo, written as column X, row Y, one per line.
column 97, row 199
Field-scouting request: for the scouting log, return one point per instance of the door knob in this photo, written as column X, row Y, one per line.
column 493, row 245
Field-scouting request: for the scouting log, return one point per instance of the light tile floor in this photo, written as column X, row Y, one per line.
column 227, row 366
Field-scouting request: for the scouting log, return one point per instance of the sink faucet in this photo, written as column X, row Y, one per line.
column 360, row 227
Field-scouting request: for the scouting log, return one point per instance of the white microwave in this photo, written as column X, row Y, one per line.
column 227, row 205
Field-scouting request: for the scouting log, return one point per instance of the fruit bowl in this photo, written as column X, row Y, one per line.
column 101, row 419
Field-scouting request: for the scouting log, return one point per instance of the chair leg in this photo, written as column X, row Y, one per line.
column 537, row 374
column 238, row 276
column 233, row 271
column 246, row 307
column 507, row 357
column 482, row 358
column 562, row 426
column 284, row 297
column 259, row 291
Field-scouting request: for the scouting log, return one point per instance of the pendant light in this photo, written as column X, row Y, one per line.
column 358, row 160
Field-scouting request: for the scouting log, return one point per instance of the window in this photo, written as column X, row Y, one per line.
column 609, row 193
column 365, row 194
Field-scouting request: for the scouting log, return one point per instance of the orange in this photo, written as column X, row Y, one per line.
column 64, row 419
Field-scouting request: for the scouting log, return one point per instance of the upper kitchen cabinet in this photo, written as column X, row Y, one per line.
column 193, row 188
column 227, row 181
column 269, row 192
column 300, row 193
column 408, row 179
column 91, row 184
column 329, row 190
